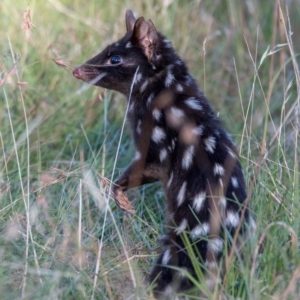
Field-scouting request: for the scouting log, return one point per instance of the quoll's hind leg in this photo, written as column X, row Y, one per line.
column 169, row 274
column 162, row 275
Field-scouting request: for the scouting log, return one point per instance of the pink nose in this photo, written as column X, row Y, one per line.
column 77, row 72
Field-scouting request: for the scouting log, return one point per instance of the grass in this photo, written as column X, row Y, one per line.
column 58, row 238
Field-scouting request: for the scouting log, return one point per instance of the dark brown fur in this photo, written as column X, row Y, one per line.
column 180, row 141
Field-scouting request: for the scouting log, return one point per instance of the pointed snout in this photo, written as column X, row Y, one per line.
column 78, row 73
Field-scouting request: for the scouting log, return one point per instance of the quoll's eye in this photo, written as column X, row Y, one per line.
column 115, row 60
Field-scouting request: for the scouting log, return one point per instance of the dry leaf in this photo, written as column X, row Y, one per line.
column 60, row 62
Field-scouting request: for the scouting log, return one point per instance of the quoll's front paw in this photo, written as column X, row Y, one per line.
column 123, row 201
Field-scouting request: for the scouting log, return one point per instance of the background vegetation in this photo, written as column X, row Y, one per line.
column 61, row 142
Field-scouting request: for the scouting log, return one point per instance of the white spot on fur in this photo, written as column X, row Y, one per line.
column 198, row 201
column 179, row 88
column 228, row 136
column 178, row 62
column 117, row 44
column 166, row 257
column 217, row 132
column 198, row 130
column 137, row 155
column 167, row 43
column 169, row 293
column 211, row 265
column 176, row 112
column 149, row 100
column 158, row 56
column 189, row 80
column 210, row 144
column 181, row 194
column 232, row 219
column 128, row 45
column 169, row 78
column 201, row 230
column 138, row 128
column 215, row 245
column 156, row 114
column 187, row 159
column 158, row 134
column 143, row 86
column 219, row 170
column 181, row 227
column 170, row 180
column 234, row 182
column 162, row 154
column 193, row 103
column 174, row 117
column 213, row 281
column 171, row 216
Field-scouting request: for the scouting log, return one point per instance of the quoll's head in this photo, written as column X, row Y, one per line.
column 115, row 66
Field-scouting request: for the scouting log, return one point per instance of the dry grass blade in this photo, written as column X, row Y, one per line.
column 22, row 83
column 109, row 210
column 60, row 62
column 294, row 242
column 9, row 73
column 27, row 24
column 291, row 289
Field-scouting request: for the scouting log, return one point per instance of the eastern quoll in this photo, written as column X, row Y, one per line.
column 180, row 141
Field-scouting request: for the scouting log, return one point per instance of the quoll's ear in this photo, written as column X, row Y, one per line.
column 129, row 20
column 146, row 36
